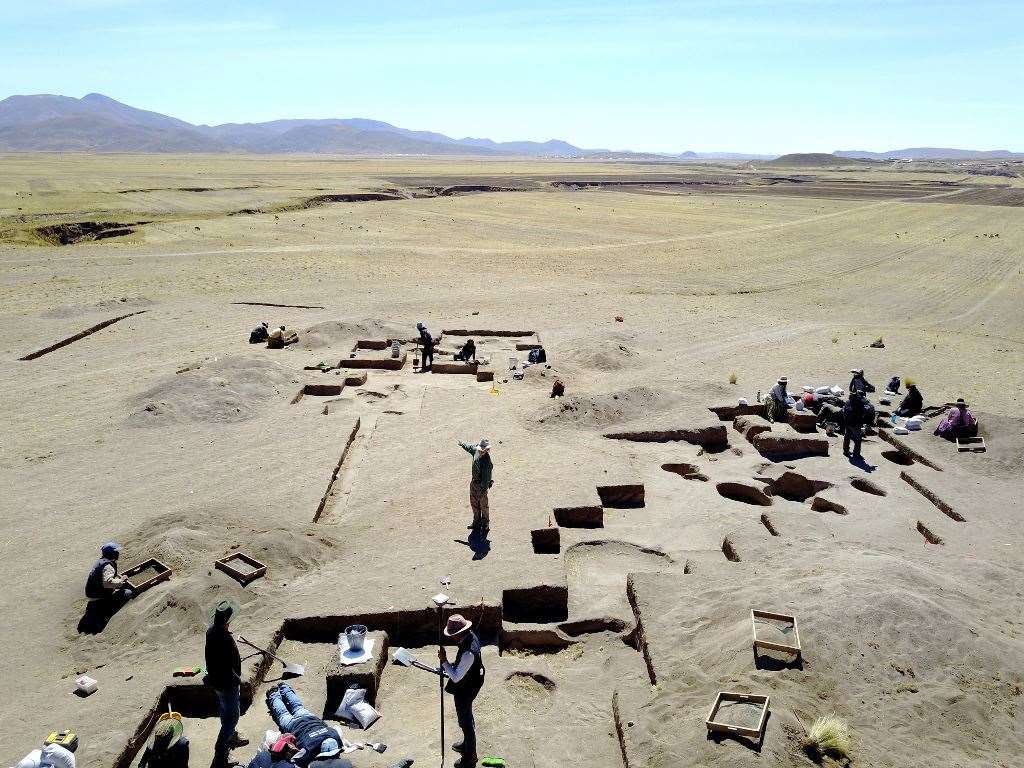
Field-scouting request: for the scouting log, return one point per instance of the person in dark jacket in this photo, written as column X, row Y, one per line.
column 893, row 385
column 315, row 739
column 169, row 748
column 104, row 582
column 427, row 342
column 912, row 404
column 859, row 384
column 480, row 482
column 854, row 415
column 468, row 352
column 465, row 679
column 224, row 675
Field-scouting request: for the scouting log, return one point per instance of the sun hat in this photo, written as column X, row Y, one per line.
column 857, row 370
column 329, row 748
column 168, row 730
column 783, row 380
column 961, row 401
column 485, row 444
column 224, row 611
column 110, row 548
column 457, row 624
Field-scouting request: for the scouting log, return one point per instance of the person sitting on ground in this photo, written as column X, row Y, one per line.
column 315, row 739
column 258, row 334
column 103, row 583
column 893, row 385
column 912, row 404
column 777, row 402
column 537, row 356
column 854, row 417
column 427, row 342
column 467, row 353
column 169, row 748
column 859, row 384
column 959, row 423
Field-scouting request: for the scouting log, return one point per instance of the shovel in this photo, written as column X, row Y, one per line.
column 404, row 657
column 294, row 670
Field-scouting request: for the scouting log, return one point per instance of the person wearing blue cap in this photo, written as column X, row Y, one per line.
column 103, row 582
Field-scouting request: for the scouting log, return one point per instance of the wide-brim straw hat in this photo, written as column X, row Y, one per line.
column 169, row 728
column 227, row 605
column 457, row 625
column 485, row 444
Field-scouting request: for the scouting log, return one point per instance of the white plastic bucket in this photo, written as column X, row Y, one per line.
column 356, row 635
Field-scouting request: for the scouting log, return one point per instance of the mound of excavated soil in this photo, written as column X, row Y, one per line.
column 222, row 391
column 597, row 411
column 611, row 353
column 338, row 332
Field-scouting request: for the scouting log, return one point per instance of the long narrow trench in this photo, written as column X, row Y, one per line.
column 335, row 498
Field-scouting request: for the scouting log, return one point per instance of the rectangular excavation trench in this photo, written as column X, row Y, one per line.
column 337, row 471
column 929, row 494
column 906, row 450
column 639, row 639
column 621, row 496
column 319, row 390
column 579, row 517
column 80, row 335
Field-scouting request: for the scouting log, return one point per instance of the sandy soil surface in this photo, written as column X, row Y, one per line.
column 168, row 432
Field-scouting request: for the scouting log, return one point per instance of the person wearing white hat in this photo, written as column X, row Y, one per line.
column 427, row 342
column 465, row 679
column 858, row 383
column 480, row 482
column 777, row 402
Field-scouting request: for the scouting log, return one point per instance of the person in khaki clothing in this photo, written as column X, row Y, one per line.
column 479, row 484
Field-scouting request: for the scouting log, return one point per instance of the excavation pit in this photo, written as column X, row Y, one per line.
column 366, row 674
column 729, row 550
column 822, row 504
column 940, row 504
column 867, row 486
column 930, row 537
column 746, row 494
column 686, row 471
column 546, row 541
column 579, row 517
column 318, row 390
column 769, row 526
column 621, row 496
column 898, row 457
column 796, row 487
column 543, row 604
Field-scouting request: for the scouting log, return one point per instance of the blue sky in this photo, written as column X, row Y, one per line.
column 741, row 75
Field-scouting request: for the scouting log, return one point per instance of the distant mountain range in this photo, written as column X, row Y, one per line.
column 98, row 123
column 931, row 153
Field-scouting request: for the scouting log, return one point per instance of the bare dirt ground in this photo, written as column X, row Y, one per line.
column 168, row 432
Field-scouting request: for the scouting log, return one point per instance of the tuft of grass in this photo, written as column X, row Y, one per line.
column 733, row 377
column 829, row 735
column 835, row 339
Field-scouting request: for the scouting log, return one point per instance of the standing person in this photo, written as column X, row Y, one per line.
column 859, row 384
column 853, row 417
column 169, row 748
column 465, row 679
column 224, row 675
column 480, row 482
column 427, row 342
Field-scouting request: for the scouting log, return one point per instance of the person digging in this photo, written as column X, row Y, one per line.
column 480, row 482
column 465, row 679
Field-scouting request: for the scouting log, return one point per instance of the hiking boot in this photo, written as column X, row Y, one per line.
column 457, row 746
column 466, row 761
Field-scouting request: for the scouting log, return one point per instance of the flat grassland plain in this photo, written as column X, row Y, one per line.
column 169, row 433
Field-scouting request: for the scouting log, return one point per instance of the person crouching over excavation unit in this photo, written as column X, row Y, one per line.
column 104, row 583
column 479, row 484
column 465, row 679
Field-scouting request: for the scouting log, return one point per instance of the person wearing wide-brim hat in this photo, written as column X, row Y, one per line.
column 858, row 383
column 224, row 675
column 169, row 748
column 465, row 679
column 777, row 402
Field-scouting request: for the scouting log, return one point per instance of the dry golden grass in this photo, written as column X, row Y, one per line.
column 829, row 735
